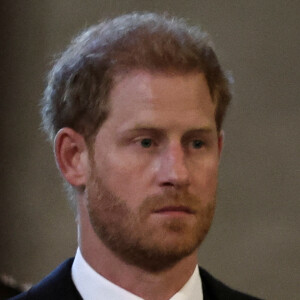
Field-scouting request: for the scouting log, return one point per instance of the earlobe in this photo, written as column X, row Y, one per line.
column 71, row 156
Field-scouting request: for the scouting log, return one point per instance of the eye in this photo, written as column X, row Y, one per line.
column 146, row 143
column 197, row 144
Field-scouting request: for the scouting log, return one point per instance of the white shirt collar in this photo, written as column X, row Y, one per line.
column 93, row 286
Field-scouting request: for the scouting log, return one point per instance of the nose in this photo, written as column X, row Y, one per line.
column 173, row 169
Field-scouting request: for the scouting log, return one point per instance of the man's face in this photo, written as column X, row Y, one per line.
column 151, row 190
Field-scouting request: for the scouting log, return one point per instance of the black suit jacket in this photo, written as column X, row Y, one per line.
column 59, row 285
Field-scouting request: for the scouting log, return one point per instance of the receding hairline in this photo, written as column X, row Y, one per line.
column 194, row 46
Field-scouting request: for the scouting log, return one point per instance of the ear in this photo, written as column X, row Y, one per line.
column 221, row 138
column 71, row 156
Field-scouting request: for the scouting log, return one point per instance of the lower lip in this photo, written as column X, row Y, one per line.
column 173, row 213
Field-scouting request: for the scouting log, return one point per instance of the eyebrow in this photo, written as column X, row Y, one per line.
column 206, row 131
column 160, row 131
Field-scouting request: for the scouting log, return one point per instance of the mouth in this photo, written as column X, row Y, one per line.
column 176, row 210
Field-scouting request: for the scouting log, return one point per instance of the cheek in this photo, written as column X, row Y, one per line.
column 205, row 178
column 124, row 175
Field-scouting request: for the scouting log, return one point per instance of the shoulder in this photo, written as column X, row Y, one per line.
column 57, row 285
column 215, row 289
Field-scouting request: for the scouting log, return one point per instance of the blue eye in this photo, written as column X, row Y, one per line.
column 146, row 143
column 197, row 144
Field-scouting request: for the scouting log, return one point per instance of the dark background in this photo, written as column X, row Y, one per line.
column 254, row 242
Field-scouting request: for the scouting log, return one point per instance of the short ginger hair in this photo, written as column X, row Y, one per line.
column 82, row 77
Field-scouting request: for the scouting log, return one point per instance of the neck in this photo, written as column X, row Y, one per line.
column 159, row 285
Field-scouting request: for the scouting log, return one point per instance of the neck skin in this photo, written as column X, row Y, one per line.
column 159, row 286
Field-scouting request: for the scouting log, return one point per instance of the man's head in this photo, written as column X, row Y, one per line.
column 137, row 105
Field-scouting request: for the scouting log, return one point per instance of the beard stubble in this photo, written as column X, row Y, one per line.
column 136, row 240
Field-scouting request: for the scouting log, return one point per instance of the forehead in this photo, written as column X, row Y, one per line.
column 148, row 83
column 161, row 98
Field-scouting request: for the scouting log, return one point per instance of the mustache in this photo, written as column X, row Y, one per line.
column 181, row 199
